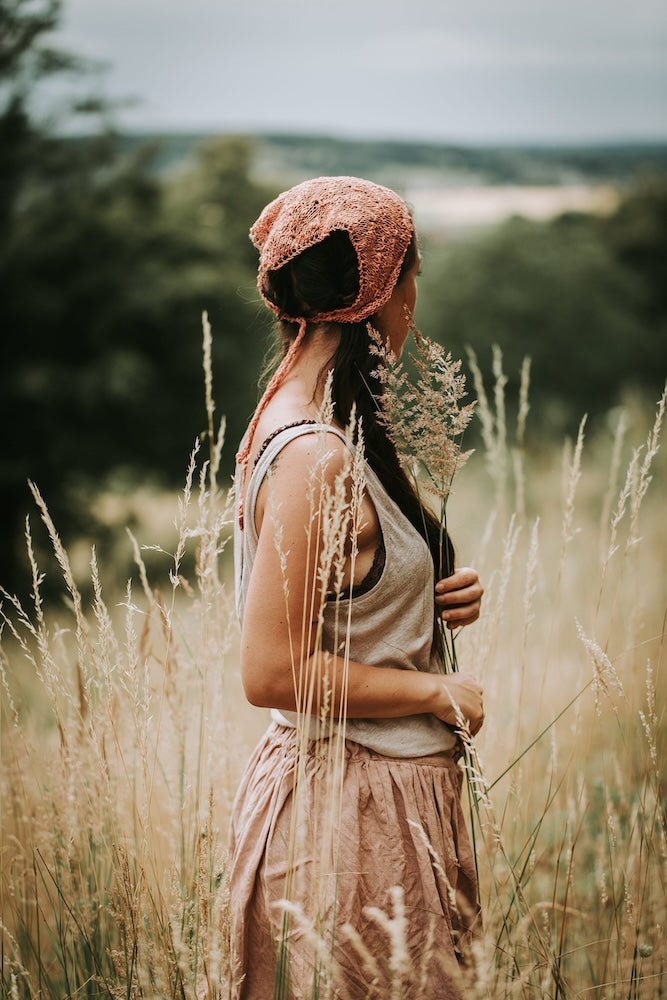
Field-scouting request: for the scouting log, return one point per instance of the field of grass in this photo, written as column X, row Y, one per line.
column 124, row 731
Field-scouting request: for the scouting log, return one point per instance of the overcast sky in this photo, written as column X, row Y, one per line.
column 470, row 70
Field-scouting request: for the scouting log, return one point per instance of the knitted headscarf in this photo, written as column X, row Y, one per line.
column 380, row 228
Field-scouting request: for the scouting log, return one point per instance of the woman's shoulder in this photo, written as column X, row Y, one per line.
column 297, row 464
column 284, row 431
column 303, row 443
column 274, row 436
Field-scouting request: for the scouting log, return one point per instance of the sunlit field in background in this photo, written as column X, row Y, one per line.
column 125, row 730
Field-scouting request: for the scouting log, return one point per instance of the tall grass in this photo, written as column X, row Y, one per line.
column 124, row 733
column 571, row 648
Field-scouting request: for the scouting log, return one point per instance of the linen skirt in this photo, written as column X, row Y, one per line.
column 346, row 886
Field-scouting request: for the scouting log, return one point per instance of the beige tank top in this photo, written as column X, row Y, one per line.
column 391, row 624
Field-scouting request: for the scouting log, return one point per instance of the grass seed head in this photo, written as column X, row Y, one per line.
column 424, row 417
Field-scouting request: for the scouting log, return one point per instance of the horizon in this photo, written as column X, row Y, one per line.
column 612, row 143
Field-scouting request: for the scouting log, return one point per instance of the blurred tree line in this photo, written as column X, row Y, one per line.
column 583, row 296
column 388, row 161
column 105, row 269
column 106, row 265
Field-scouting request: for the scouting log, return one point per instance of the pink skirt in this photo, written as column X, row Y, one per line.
column 383, row 893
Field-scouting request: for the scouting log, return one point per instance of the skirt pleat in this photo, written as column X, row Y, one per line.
column 380, row 881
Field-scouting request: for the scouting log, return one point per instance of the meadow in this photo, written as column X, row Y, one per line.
column 124, row 732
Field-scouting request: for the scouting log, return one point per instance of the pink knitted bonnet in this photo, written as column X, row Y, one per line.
column 375, row 218
column 380, row 229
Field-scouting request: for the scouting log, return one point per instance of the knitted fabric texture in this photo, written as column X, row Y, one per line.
column 374, row 217
column 380, row 230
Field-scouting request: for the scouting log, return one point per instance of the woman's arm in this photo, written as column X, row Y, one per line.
column 285, row 594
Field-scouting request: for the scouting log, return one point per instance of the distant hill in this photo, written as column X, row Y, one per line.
column 289, row 158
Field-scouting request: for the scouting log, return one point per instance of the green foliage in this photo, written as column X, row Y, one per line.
column 582, row 296
column 105, row 269
column 106, row 275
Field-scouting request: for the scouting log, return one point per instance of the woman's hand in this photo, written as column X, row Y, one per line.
column 460, row 597
column 461, row 695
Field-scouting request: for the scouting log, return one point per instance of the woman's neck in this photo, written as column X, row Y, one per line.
column 308, row 375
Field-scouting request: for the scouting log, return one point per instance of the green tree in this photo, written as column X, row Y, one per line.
column 637, row 236
column 567, row 294
column 105, row 270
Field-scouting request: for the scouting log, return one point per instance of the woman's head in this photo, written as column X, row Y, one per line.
column 331, row 249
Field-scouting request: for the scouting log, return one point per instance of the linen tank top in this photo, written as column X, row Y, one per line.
column 390, row 625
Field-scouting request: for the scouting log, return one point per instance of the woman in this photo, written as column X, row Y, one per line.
column 336, row 253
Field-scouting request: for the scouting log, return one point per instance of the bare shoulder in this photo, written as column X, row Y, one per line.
column 320, row 452
column 305, row 466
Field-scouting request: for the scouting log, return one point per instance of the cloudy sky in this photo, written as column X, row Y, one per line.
column 469, row 70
